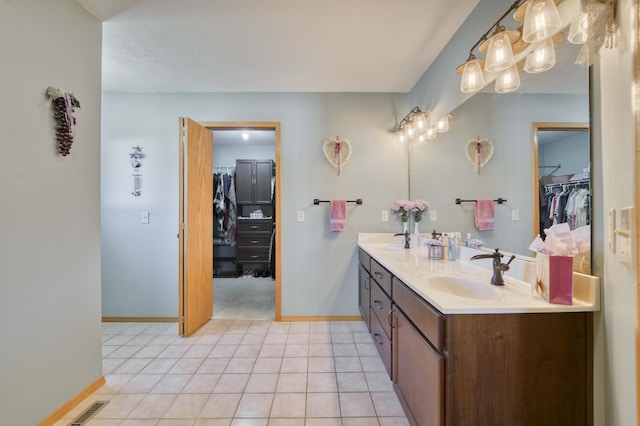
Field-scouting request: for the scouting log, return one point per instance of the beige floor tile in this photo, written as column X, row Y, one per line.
column 152, row 407
column 346, row 364
column 150, row 351
column 341, row 338
column 220, row 406
column 248, row 351
column 340, row 327
column 267, row 365
column 231, row 339
column 231, row 383
column 139, row 422
column 213, row 365
column 187, row 406
column 119, row 406
column 322, row 382
column 271, row 351
column 379, row 382
column 94, row 422
column 372, row 364
column 159, row 366
column 171, row 383
column 297, row 338
column 223, row 351
column 198, row 351
column 174, row 351
column 321, row 365
column 300, row 327
column 324, row 422
column 352, row 382
column 275, row 338
column 240, row 365
column 320, row 349
column 201, row 383
column 208, row 339
column 360, row 421
column 280, row 327
column 262, row 383
column 125, row 351
column 175, row 422
column 254, row 405
column 356, row 404
column 323, row 405
column 130, row 366
column 249, row 422
column 344, row 349
column 320, row 327
column 366, row 349
column 253, row 339
column 212, row 422
column 292, row 382
column 288, row 405
column 393, row 421
column 296, row 350
column 286, row 422
column 115, row 382
column 320, row 337
column 362, row 337
column 294, row 365
column 142, row 383
column 186, row 366
column 387, row 404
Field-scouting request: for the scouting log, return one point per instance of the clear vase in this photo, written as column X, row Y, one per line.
column 416, row 228
column 405, row 229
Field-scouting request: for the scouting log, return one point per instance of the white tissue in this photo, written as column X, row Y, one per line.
column 559, row 242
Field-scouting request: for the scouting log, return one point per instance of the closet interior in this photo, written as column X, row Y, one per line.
column 244, row 203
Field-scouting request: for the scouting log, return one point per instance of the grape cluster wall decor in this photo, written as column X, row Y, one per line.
column 63, row 103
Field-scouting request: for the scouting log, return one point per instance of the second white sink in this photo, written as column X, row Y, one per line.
column 463, row 287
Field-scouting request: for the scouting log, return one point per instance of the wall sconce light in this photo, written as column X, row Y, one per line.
column 415, row 127
column 541, row 20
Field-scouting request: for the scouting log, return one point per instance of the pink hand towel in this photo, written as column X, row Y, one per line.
column 484, row 215
column 338, row 215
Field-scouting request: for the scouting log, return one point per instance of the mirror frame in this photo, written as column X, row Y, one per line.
column 535, row 127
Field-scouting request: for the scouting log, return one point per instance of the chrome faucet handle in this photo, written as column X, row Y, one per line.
column 407, row 238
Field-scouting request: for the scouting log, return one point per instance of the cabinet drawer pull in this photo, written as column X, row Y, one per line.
column 390, row 318
column 367, row 283
column 378, row 275
column 375, row 339
column 254, row 241
column 254, row 226
column 255, row 256
column 378, row 304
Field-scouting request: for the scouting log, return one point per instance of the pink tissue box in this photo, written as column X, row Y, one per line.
column 561, row 280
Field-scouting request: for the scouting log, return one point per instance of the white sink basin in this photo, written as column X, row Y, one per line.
column 464, row 287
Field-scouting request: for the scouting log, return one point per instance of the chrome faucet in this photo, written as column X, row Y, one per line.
column 407, row 238
column 499, row 268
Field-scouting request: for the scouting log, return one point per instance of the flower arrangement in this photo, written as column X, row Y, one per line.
column 405, row 207
column 419, row 207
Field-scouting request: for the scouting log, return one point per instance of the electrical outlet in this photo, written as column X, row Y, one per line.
column 384, row 216
column 515, row 214
column 145, row 217
column 433, row 215
column 300, row 216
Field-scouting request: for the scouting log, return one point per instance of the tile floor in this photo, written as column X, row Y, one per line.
column 244, row 373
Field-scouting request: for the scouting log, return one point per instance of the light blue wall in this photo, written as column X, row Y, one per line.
column 572, row 153
column 319, row 268
column 50, row 242
column 226, row 155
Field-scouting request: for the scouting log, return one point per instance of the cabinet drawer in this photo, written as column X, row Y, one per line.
column 382, row 342
column 249, row 240
column 427, row 319
column 364, row 259
column 364, row 291
column 255, row 225
column 381, row 275
column 253, row 255
column 381, row 306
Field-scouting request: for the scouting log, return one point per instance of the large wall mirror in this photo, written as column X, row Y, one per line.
column 440, row 170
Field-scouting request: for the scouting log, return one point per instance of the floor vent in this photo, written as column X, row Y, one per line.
column 83, row 418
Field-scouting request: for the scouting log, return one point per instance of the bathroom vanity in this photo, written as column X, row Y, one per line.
column 462, row 352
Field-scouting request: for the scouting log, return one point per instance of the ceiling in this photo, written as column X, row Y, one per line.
column 255, row 137
column 272, row 46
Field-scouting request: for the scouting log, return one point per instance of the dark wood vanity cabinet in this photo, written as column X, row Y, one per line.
column 364, row 291
column 253, row 181
column 502, row 369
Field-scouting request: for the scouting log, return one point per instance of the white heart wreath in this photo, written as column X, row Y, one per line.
column 337, row 152
column 479, row 152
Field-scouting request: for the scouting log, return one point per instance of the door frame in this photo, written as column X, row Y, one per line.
column 248, row 125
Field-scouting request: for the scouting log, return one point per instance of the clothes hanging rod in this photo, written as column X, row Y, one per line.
column 499, row 201
column 555, row 168
column 317, row 201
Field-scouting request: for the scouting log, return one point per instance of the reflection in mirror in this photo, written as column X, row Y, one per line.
column 440, row 170
column 562, row 180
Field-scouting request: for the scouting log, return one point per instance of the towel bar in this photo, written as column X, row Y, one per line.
column 499, row 201
column 317, row 201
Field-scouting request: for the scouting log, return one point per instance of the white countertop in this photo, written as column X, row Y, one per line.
column 414, row 268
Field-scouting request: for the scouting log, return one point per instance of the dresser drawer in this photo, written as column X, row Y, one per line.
column 246, row 255
column 255, row 225
column 365, row 259
column 381, row 275
column 251, row 240
column 381, row 307
column 427, row 319
column 382, row 342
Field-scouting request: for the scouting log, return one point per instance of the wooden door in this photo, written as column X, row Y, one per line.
column 195, row 227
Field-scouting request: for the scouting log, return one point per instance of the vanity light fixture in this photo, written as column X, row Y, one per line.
column 472, row 76
column 508, row 81
column 415, row 127
column 500, row 52
column 579, row 29
column 541, row 58
column 541, row 20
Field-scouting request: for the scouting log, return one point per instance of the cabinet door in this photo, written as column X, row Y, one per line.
column 418, row 373
column 262, row 181
column 244, row 181
column 363, row 295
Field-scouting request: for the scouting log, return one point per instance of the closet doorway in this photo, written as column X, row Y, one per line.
column 196, row 219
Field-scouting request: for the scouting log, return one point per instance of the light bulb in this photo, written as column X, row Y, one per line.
column 400, row 137
column 443, row 124
column 431, row 133
column 472, row 77
column 541, row 20
column 245, row 136
column 541, row 58
column 508, row 81
column 409, row 132
column 499, row 53
column 421, row 139
column 579, row 30
column 420, row 123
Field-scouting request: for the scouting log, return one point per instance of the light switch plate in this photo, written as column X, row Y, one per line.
column 145, row 217
column 515, row 214
column 384, row 216
column 433, row 215
column 624, row 233
column 300, row 216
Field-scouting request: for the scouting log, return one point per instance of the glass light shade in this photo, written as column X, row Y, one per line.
column 443, row 124
column 499, row 53
column 420, row 123
column 541, row 20
column 431, row 133
column 541, row 58
column 421, row 139
column 579, row 29
column 472, row 77
column 409, row 132
column 400, row 137
column 508, row 81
